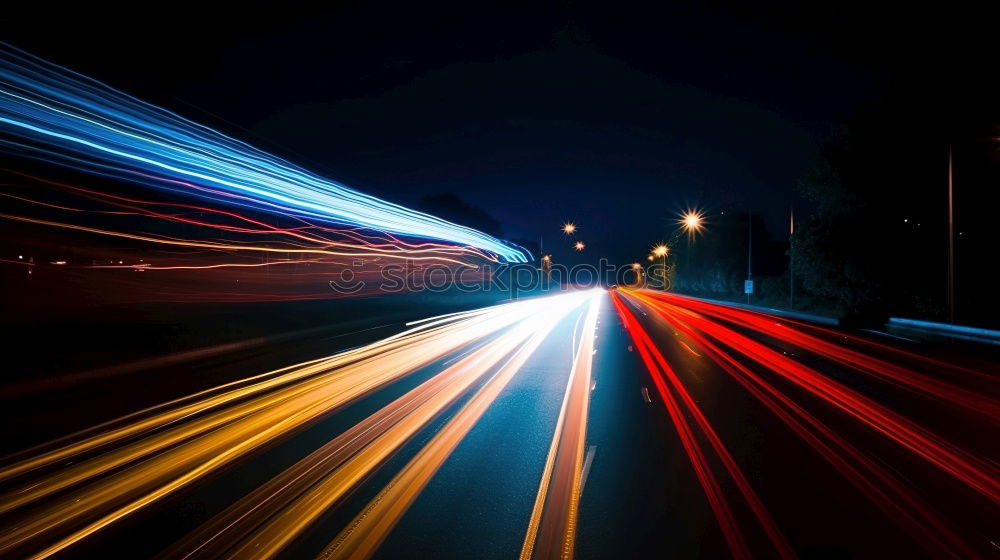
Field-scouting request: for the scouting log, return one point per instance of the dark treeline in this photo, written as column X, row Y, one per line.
column 871, row 236
column 714, row 263
column 877, row 240
column 872, row 233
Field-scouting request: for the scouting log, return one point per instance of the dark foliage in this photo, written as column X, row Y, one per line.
column 450, row 207
column 876, row 241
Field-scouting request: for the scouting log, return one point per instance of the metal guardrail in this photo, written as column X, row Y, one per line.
column 822, row 319
column 975, row 334
column 961, row 332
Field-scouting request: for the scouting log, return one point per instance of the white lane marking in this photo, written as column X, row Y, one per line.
column 897, row 337
column 574, row 350
column 463, row 354
column 645, row 395
column 591, row 450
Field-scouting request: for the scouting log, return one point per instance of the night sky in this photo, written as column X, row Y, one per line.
column 599, row 115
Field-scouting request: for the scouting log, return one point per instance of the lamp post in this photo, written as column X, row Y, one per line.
column 749, row 252
column 951, row 223
column 791, row 264
column 661, row 251
column 692, row 222
column 951, row 238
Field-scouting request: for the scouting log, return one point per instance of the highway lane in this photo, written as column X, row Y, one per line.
column 65, row 495
column 837, row 444
column 640, row 497
column 488, row 491
column 156, row 353
column 362, row 537
column 468, row 435
column 552, row 528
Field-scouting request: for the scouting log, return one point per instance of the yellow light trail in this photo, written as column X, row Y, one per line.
column 362, row 537
column 179, row 443
column 551, row 529
column 271, row 498
column 413, row 255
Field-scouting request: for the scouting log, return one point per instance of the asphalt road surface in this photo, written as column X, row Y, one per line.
column 591, row 424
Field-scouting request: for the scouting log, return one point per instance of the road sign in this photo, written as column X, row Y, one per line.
column 748, row 286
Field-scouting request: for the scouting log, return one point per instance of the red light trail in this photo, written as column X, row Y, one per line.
column 200, row 252
column 728, row 348
column 659, row 369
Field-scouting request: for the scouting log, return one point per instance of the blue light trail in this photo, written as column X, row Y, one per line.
column 67, row 118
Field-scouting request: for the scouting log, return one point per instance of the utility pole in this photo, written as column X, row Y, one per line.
column 749, row 248
column 791, row 268
column 951, row 238
column 663, row 270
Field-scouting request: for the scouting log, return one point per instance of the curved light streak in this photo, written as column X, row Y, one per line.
column 83, row 123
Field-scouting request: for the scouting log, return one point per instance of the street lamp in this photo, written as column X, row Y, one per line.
column 951, row 224
column 661, row 251
column 547, row 265
column 692, row 221
column 579, row 246
column 569, row 228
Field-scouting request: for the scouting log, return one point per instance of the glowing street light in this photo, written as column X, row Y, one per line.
column 569, row 228
column 637, row 268
column 579, row 246
column 661, row 251
column 547, row 265
column 692, row 221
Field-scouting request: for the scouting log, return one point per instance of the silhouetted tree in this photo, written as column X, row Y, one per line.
column 448, row 206
column 715, row 264
column 530, row 245
column 877, row 221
